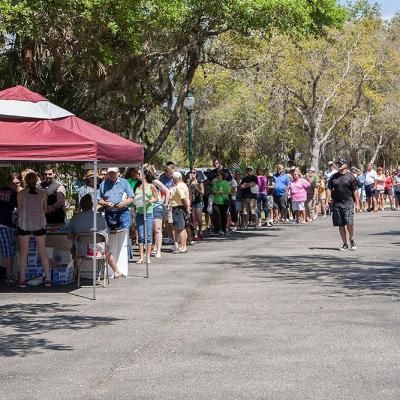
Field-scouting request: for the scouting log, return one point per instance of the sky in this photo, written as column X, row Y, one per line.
column 388, row 7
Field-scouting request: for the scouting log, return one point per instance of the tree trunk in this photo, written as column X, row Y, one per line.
column 379, row 147
column 315, row 152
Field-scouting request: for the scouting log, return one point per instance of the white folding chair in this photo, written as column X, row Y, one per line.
column 86, row 239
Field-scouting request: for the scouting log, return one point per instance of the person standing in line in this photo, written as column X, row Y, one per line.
column 270, row 197
column 262, row 197
column 330, row 171
column 361, row 190
column 32, row 209
column 321, row 195
column 233, row 215
column 116, row 195
column 55, row 213
column 343, row 189
column 396, row 185
column 298, row 193
column 88, row 187
column 389, row 190
column 196, row 191
column 281, row 190
column 180, row 211
column 8, row 204
column 249, row 199
column 151, row 198
column 380, row 189
column 370, row 177
column 220, row 190
column 312, row 195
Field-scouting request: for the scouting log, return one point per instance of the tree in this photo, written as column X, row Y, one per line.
column 326, row 79
column 127, row 64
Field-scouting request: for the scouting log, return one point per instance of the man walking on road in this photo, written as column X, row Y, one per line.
column 343, row 189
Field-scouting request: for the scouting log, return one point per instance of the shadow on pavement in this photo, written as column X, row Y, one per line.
column 24, row 324
column 346, row 275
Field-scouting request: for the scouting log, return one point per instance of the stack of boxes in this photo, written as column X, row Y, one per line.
column 33, row 265
column 62, row 271
column 63, row 268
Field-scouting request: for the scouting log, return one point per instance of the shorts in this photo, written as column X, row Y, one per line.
column 249, row 205
column 270, row 201
column 179, row 218
column 343, row 215
column 369, row 191
column 7, row 242
column 298, row 205
column 158, row 212
column 280, row 201
column 40, row 232
column 198, row 205
column 397, row 194
column 379, row 191
column 389, row 192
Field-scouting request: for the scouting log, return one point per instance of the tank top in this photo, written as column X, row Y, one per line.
column 31, row 215
column 148, row 196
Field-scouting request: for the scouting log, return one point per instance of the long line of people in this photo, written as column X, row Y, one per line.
column 180, row 208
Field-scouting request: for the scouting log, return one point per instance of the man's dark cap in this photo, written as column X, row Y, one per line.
column 341, row 161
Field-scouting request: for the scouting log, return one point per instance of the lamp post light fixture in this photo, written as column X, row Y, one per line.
column 188, row 104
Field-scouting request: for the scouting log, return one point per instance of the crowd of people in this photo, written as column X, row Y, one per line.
column 179, row 208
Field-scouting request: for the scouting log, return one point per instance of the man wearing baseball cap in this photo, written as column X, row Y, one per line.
column 343, row 189
column 330, row 171
column 115, row 196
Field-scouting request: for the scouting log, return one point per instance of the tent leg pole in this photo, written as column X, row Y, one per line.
column 94, row 228
column 145, row 221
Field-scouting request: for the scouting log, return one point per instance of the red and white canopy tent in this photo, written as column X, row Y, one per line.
column 33, row 129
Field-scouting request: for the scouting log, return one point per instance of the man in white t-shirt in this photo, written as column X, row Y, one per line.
column 330, row 171
column 370, row 177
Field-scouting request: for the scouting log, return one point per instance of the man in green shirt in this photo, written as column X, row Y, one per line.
column 220, row 190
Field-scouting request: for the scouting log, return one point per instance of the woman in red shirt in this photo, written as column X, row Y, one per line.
column 389, row 189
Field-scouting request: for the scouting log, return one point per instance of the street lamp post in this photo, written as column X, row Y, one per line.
column 188, row 104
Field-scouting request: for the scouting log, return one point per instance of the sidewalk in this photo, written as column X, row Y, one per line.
column 277, row 313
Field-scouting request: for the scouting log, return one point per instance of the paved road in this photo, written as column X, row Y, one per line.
column 271, row 314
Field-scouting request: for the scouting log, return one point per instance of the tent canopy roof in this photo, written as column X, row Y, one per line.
column 32, row 128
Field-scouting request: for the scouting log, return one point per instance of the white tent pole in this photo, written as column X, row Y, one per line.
column 94, row 228
column 145, row 221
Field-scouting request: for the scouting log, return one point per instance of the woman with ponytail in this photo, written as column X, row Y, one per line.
column 32, row 207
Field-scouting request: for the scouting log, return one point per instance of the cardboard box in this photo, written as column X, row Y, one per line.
column 33, row 273
column 63, row 274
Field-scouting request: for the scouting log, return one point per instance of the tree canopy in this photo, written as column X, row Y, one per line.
column 127, row 64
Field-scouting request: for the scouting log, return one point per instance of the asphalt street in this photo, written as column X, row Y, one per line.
column 275, row 313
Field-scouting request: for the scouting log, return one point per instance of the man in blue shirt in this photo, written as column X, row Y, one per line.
column 280, row 194
column 166, row 177
column 116, row 196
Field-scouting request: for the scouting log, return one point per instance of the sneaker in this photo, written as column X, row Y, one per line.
column 22, row 284
column 221, row 233
column 47, row 283
column 353, row 245
column 344, row 247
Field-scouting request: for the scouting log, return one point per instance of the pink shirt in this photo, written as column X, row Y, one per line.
column 298, row 189
column 262, row 184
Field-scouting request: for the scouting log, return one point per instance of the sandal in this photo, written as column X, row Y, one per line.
column 47, row 283
column 120, row 275
column 139, row 262
column 22, row 284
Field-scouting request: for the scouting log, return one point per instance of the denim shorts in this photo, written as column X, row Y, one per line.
column 158, row 212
